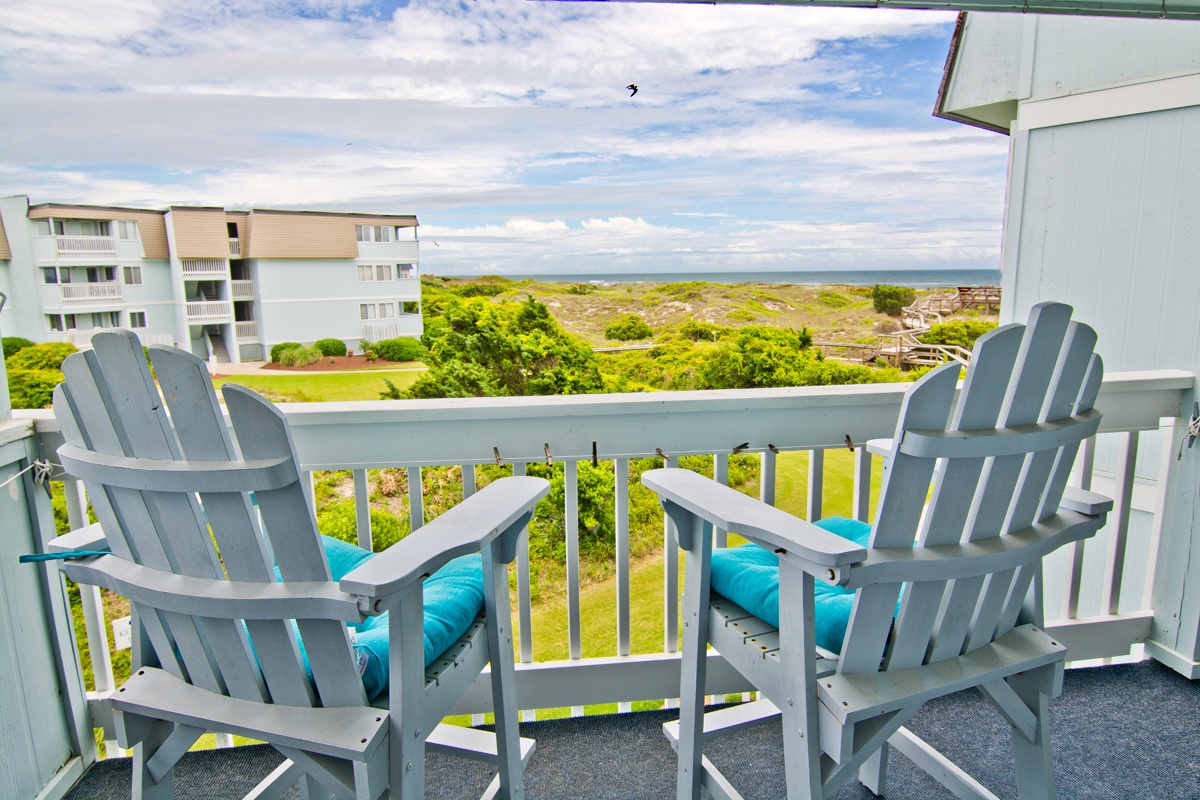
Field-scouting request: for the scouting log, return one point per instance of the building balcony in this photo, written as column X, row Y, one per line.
column 83, row 338
column 209, row 310
column 78, row 294
column 1098, row 599
column 241, row 290
column 403, row 325
column 235, row 248
column 80, row 246
column 246, row 331
column 204, row 268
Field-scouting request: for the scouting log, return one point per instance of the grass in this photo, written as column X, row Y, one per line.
column 317, row 387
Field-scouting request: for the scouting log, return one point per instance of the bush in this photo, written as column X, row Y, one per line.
column 330, row 347
column 961, row 332
column 628, row 328
column 891, row 300
column 299, row 356
column 279, row 348
column 703, row 331
column 11, row 344
column 32, row 388
column 402, row 349
column 41, row 357
column 339, row 520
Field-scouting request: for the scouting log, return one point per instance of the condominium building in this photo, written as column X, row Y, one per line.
column 225, row 284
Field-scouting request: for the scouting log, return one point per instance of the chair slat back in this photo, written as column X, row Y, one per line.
column 110, row 404
column 1019, row 375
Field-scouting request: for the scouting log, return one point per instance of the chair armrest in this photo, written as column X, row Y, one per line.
column 734, row 511
column 463, row 529
column 1085, row 502
column 89, row 537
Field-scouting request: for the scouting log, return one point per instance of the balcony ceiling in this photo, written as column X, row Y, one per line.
column 1170, row 9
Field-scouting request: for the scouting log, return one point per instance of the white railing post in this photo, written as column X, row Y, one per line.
column 862, row 483
column 1122, row 503
column 362, row 509
column 816, row 483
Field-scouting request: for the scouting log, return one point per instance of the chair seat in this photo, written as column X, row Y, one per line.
column 453, row 599
column 749, row 576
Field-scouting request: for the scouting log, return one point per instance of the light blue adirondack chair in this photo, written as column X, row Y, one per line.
column 847, row 630
column 244, row 627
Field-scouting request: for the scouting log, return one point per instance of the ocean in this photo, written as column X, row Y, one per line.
column 915, row 278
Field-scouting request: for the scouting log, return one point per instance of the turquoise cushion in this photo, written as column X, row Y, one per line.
column 749, row 576
column 453, row 598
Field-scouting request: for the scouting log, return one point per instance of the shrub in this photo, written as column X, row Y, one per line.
column 961, row 332
column 834, row 299
column 628, row 328
column 402, row 349
column 299, row 356
column 32, row 388
column 11, row 344
column 279, row 348
column 41, row 357
column 891, row 300
column 703, row 331
column 339, row 520
column 330, row 347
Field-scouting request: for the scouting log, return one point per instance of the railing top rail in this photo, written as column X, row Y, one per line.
column 381, row 433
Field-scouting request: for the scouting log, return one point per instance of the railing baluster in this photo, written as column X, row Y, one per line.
column 1122, row 503
column 721, row 475
column 416, row 499
column 362, row 509
column 862, row 483
column 670, row 588
column 468, row 480
column 1087, row 461
column 571, row 511
column 524, row 593
column 816, row 483
column 766, row 481
column 621, row 499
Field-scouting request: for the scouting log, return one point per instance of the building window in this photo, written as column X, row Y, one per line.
column 137, row 319
column 366, row 311
column 133, row 276
column 42, row 226
column 377, row 311
column 407, row 270
column 383, row 272
column 101, row 274
column 55, row 321
column 90, row 227
column 231, row 229
column 106, row 319
column 373, row 233
column 410, row 307
column 49, row 275
column 366, row 273
column 127, row 229
column 64, row 274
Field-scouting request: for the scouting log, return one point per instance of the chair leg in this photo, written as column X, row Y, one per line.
column 498, row 612
column 873, row 773
column 154, row 734
column 798, row 689
column 406, row 740
column 697, row 567
column 1035, row 760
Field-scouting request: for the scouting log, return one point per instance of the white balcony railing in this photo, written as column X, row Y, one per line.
column 235, row 247
column 246, row 330
column 194, row 268
column 242, row 290
column 83, row 339
column 209, row 310
column 1096, row 596
column 403, row 325
column 74, row 294
column 85, row 245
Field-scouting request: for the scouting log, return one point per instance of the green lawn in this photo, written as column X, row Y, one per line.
column 326, row 386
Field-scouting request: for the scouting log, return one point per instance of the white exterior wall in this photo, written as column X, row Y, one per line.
column 1103, row 212
column 302, row 301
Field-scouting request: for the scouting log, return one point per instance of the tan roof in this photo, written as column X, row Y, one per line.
column 311, row 234
column 152, row 226
column 5, row 253
column 199, row 232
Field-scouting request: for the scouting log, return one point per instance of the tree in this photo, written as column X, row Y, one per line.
column 481, row 348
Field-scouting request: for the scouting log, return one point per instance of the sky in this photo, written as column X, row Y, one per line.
column 760, row 138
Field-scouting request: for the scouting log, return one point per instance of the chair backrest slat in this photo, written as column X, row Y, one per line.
column 262, row 432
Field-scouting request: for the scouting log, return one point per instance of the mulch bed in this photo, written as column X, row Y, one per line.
column 337, row 364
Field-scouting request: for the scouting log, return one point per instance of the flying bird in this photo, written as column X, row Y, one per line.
column 632, row 89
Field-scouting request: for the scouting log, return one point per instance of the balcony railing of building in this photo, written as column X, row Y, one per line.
column 242, row 290
column 208, row 310
column 235, row 247
column 85, row 245
column 1097, row 596
column 195, row 268
column 84, row 293
column 83, row 339
column 246, row 330
column 402, row 325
